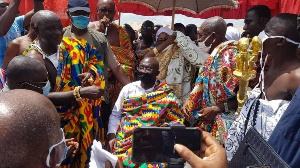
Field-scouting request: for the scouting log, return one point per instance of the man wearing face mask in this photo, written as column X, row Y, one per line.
column 78, row 12
column 31, row 129
column 267, row 102
column 146, row 102
column 212, row 103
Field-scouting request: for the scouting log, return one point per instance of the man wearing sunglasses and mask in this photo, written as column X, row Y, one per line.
column 146, row 102
column 30, row 129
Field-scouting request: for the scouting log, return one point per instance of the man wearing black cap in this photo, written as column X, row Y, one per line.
column 78, row 12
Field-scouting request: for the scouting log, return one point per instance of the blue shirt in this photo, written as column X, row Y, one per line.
column 14, row 32
column 285, row 139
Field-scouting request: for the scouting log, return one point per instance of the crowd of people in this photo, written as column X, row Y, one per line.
column 64, row 87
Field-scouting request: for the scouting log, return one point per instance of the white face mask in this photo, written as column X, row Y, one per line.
column 202, row 45
column 287, row 39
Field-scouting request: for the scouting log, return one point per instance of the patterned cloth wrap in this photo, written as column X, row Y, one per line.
column 2, row 78
column 216, row 84
column 81, row 119
column 160, row 108
column 125, row 55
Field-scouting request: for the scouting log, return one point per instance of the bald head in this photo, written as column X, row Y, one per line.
column 44, row 17
column 48, row 28
column 106, row 1
column 25, row 69
column 215, row 24
column 29, row 126
column 148, row 71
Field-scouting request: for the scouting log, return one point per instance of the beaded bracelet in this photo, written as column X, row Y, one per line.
column 76, row 93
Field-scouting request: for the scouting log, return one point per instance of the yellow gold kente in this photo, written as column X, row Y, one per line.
column 245, row 62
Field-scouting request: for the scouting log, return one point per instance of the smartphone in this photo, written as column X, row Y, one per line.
column 156, row 144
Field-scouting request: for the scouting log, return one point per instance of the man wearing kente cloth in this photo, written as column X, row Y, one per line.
column 120, row 44
column 77, row 68
column 146, row 102
column 215, row 89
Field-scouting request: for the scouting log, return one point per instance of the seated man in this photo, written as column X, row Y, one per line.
column 266, row 104
column 142, row 103
column 30, row 132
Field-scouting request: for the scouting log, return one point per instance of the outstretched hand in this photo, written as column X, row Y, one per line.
column 214, row 154
column 91, row 92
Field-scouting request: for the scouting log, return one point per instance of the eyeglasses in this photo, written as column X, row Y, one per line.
column 147, row 69
column 109, row 11
column 161, row 40
column 147, row 27
column 55, row 145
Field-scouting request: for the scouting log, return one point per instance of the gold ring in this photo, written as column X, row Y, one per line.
column 91, row 80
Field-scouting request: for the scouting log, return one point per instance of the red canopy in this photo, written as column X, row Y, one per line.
column 276, row 6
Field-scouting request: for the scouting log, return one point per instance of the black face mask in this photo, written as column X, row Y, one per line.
column 145, row 77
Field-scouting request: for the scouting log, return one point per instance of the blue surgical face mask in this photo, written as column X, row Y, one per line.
column 46, row 88
column 80, row 22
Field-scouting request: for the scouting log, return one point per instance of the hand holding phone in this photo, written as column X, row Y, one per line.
column 156, row 144
column 215, row 155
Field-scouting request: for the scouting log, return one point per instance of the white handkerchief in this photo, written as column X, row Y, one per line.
column 99, row 156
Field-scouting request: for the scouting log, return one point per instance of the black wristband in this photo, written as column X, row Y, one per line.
column 38, row 0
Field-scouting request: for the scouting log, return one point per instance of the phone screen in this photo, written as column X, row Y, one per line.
column 156, row 144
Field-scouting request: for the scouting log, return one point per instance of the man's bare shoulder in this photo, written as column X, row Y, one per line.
column 294, row 80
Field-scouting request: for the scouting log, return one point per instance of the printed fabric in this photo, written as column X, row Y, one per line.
column 81, row 119
column 262, row 114
column 2, row 78
column 125, row 56
column 160, row 108
column 216, row 84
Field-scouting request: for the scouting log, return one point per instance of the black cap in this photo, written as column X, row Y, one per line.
column 75, row 5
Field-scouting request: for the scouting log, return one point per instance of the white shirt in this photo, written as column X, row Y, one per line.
column 131, row 89
column 268, row 115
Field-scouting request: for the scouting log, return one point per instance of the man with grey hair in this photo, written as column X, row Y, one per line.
column 214, row 93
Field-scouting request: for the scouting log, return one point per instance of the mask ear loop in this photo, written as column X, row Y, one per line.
column 262, row 75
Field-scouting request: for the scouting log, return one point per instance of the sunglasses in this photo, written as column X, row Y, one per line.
column 109, row 11
column 147, row 28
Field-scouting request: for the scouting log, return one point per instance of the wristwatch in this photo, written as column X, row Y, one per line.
column 226, row 108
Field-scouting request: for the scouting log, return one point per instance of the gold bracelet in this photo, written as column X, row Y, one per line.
column 76, row 93
column 155, row 51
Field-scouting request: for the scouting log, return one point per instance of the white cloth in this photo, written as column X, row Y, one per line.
column 179, row 69
column 163, row 30
column 232, row 34
column 268, row 115
column 131, row 89
column 99, row 156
